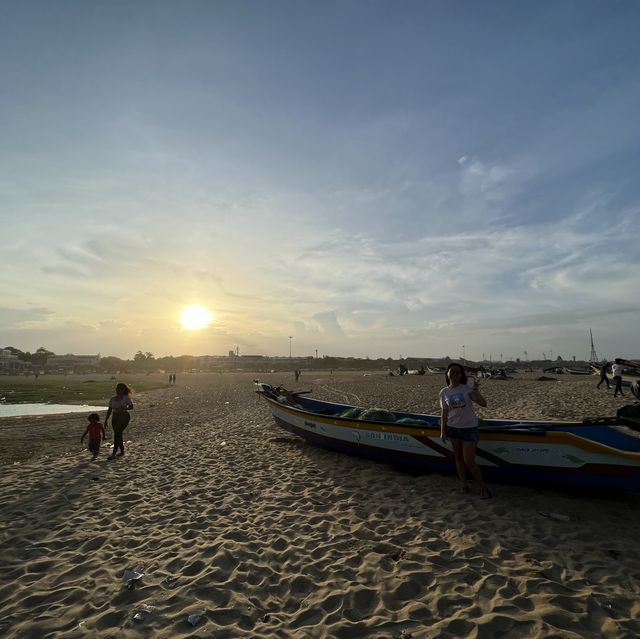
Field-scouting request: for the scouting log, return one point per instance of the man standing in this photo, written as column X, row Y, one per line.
column 603, row 374
column 616, row 369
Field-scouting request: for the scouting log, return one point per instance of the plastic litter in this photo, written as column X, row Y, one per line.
column 194, row 619
column 131, row 576
column 143, row 612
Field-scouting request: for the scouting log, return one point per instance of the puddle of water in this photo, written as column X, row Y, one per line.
column 23, row 410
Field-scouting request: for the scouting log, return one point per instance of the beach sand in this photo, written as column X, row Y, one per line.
column 268, row 536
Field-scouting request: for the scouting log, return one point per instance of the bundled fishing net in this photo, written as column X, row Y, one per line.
column 351, row 413
column 412, row 421
column 376, row 415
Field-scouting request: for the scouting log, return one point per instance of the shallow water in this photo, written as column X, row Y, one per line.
column 22, row 410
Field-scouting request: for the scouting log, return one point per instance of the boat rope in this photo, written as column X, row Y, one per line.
column 341, row 393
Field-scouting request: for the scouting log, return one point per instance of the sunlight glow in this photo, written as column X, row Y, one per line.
column 195, row 317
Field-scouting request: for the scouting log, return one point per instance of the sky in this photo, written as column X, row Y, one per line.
column 356, row 178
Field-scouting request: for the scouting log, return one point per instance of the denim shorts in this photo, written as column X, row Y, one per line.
column 463, row 434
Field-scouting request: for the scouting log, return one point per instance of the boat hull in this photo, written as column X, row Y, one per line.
column 571, row 454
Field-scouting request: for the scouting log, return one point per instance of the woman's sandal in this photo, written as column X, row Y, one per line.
column 485, row 494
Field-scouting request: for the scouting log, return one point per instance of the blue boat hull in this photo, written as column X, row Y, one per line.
column 556, row 454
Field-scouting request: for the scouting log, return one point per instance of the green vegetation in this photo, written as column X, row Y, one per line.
column 63, row 390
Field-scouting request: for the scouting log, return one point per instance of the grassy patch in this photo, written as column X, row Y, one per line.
column 70, row 389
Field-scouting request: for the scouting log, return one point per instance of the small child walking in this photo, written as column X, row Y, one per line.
column 94, row 428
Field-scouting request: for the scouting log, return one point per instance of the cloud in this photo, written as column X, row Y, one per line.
column 492, row 183
column 328, row 323
column 13, row 317
column 470, row 279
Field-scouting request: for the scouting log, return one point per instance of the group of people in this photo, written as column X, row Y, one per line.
column 118, row 409
column 616, row 372
column 172, row 379
column 458, row 423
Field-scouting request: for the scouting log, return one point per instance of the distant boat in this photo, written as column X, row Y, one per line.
column 558, row 370
column 578, row 371
column 603, row 454
column 436, row 370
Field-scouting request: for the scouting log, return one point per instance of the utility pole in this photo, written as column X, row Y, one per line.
column 290, row 338
column 464, row 359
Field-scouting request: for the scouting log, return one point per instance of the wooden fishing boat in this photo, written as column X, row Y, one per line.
column 577, row 371
column 602, row 454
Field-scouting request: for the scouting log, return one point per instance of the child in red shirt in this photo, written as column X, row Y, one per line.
column 94, row 428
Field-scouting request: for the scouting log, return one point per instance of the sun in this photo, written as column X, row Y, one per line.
column 195, row 317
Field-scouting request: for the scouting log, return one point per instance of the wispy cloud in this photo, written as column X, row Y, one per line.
column 22, row 316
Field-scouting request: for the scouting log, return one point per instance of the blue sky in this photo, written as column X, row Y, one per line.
column 371, row 178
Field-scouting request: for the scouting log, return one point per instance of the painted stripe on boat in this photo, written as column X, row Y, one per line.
column 557, row 437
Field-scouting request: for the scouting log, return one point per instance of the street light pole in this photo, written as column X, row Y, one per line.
column 464, row 359
column 290, row 338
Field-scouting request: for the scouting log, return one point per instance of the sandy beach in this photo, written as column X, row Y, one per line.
column 265, row 535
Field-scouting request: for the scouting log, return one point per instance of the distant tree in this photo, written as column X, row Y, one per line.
column 40, row 357
column 144, row 361
column 112, row 364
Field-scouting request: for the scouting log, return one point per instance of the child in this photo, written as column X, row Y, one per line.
column 94, row 428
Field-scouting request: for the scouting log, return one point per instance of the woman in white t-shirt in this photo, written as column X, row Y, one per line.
column 459, row 424
column 120, row 405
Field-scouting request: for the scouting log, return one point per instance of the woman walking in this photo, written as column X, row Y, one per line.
column 459, row 424
column 120, row 405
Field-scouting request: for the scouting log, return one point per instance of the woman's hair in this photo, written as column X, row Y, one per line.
column 618, row 360
column 124, row 388
column 463, row 374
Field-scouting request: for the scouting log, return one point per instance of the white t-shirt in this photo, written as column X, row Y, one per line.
column 118, row 404
column 616, row 369
column 461, row 412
